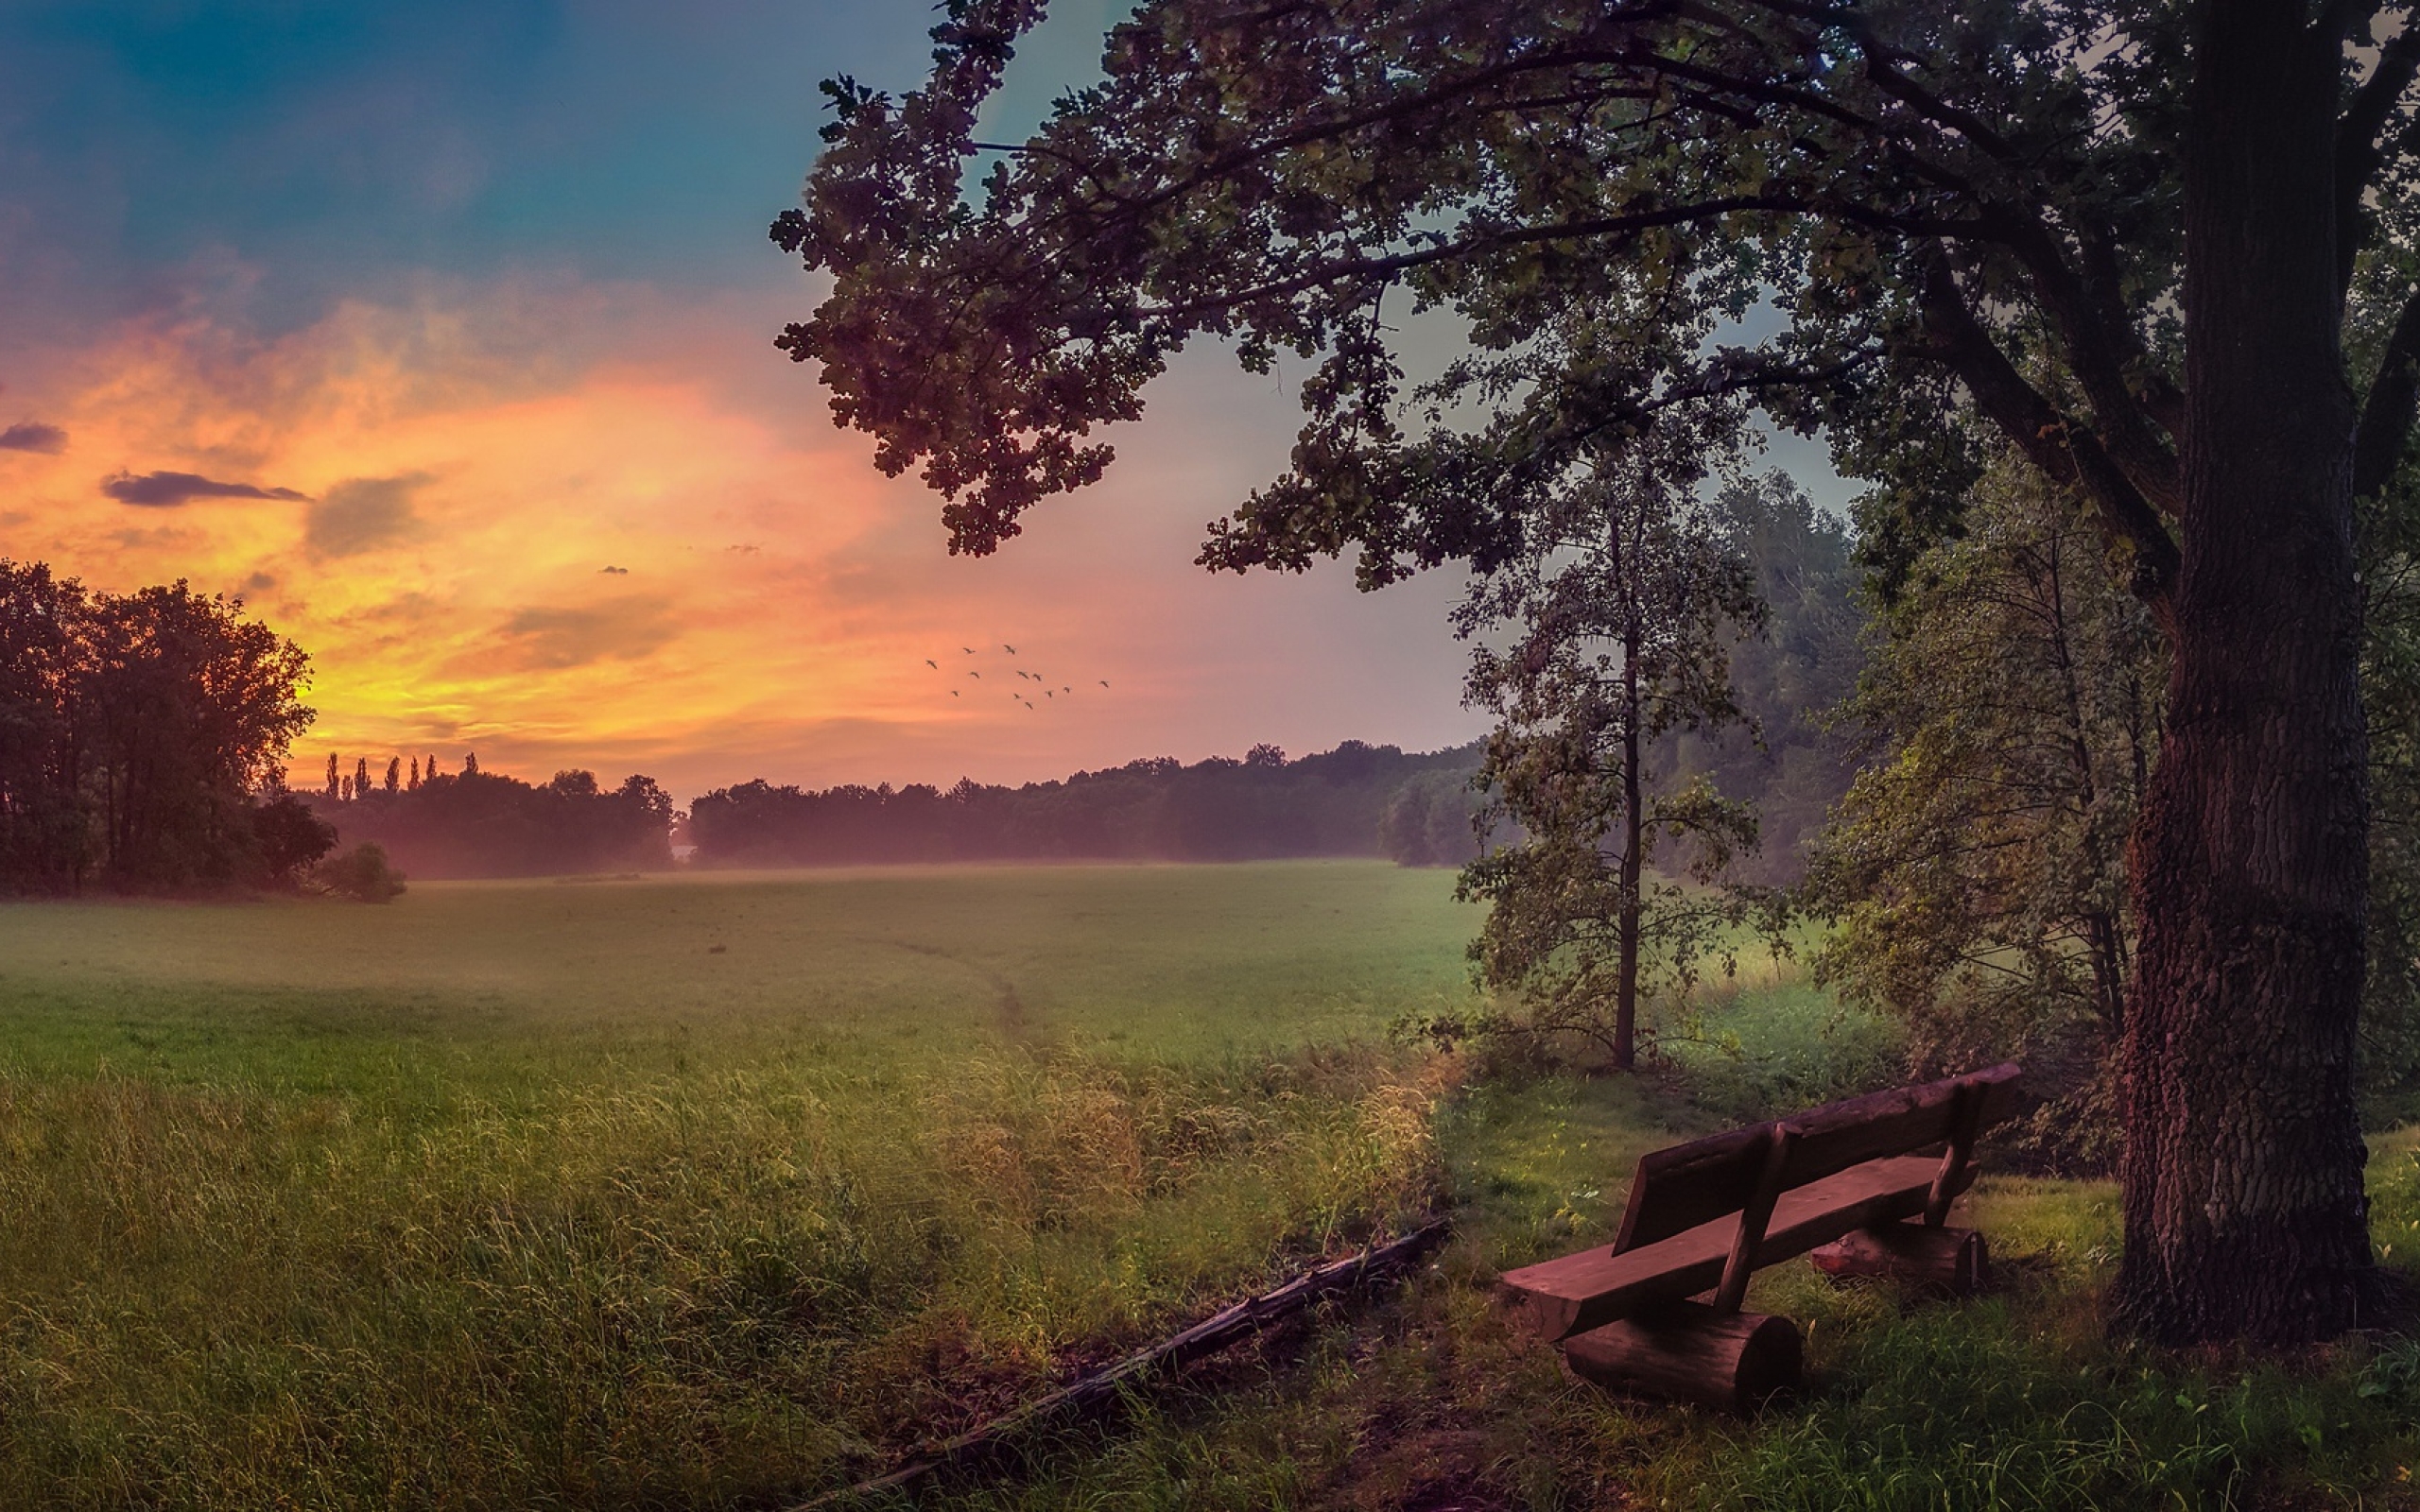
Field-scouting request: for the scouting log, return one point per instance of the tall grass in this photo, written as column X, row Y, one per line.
column 691, row 1292
column 1981, row 1408
column 524, row 1196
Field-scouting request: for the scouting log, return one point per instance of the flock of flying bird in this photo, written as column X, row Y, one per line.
column 1042, row 683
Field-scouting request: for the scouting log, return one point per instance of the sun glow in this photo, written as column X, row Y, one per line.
column 595, row 526
column 473, row 560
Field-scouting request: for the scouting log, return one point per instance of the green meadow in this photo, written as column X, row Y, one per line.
column 725, row 1191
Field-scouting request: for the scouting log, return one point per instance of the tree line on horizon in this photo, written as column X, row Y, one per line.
column 1355, row 801
column 476, row 823
column 344, row 787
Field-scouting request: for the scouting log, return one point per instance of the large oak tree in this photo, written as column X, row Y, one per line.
column 2122, row 238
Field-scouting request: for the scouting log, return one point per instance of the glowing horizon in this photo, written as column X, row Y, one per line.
column 406, row 327
column 631, row 561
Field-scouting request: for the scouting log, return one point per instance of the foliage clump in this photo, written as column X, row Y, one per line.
column 143, row 740
column 1977, row 869
column 1976, row 866
column 361, row 874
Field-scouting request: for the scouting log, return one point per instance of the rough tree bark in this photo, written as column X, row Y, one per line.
column 2244, row 1213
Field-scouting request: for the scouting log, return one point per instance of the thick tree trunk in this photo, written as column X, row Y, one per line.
column 2245, row 1215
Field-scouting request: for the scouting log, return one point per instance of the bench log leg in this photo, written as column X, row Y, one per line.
column 1688, row 1352
column 1939, row 1261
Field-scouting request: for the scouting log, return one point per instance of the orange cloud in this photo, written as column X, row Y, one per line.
column 640, row 546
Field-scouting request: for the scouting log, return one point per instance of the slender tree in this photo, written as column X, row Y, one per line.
column 394, row 780
column 1615, row 624
column 333, row 786
column 2124, row 238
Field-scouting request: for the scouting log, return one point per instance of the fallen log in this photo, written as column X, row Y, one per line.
column 1230, row 1325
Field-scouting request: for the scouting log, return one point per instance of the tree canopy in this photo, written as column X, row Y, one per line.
column 2135, row 243
column 142, row 739
column 1958, row 215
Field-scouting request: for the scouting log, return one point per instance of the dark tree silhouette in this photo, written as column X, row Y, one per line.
column 1331, row 804
column 289, row 840
column 482, row 824
column 138, row 735
column 42, row 660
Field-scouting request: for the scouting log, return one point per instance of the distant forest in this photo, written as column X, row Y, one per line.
column 142, row 742
column 482, row 824
column 1787, row 682
column 1355, row 801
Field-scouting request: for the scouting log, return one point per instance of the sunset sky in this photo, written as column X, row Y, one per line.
column 441, row 332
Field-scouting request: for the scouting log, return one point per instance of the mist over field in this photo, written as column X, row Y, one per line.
column 1550, row 755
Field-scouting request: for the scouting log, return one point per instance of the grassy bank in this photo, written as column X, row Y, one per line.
column 720, row 1192
column 2017, row 1400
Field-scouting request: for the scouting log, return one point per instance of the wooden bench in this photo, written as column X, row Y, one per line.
column 1842, row 1181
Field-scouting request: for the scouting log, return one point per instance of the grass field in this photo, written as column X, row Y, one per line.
column 721, row 1191
column 702, row 1191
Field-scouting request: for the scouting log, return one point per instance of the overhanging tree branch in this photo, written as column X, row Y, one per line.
column 2061, row 445
column 2362, row 137
column 1347, row 271
column 2387, row 414
column 2097, row 355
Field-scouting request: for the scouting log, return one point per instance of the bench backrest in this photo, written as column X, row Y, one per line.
column 1679, row 1188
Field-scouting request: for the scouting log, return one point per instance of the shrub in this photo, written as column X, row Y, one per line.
column 361, row 874
column 288, row 841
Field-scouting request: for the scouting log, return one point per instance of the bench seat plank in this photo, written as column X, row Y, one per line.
column 1597, row 1286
